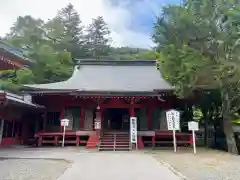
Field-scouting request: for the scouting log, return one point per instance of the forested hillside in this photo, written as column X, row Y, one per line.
column 56, row 44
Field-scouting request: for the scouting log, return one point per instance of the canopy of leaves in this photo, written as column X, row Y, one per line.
column 199, row 49
column 198, row 42
column 56, row 43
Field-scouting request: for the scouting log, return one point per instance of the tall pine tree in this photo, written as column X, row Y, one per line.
column 69, row 26
column 98, row 38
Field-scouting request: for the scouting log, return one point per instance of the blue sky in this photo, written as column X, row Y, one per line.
column 143, row 12
column 130, row 21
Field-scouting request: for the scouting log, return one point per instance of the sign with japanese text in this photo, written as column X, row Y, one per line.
column 173, row 120
column 133, row 129
column 97, row 125
column 64, row 122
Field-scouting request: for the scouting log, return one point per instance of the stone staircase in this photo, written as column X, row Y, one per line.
column 114, row 141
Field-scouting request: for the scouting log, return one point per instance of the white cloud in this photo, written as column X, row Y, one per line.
column 117, row 17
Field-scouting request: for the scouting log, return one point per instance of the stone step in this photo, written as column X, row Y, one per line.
column 124, row 141
column 114, row 149
column 123, row 149
column 103, row 144
column 107, row 142
column 106, row 145
column 106, row 149
column 122, row 145
column 104, row 139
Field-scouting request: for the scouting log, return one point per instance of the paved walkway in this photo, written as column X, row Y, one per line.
column 102, row 166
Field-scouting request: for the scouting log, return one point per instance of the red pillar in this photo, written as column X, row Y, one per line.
column 102, row 116
column 102, row 113
column 150, row 118
column 82, row 117
column 44, row 121
column 131, row 112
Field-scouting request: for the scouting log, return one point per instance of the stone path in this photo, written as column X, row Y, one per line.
column 31, row 169
column 100, row 165
column 117, row 166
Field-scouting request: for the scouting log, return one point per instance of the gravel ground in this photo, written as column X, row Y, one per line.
column 205, row 165
column 31, row 169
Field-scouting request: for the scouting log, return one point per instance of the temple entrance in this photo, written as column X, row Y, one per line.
column 116, row 119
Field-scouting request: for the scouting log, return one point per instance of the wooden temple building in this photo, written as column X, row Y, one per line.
column 14, row 109
column 12, row 58
column 109, row 92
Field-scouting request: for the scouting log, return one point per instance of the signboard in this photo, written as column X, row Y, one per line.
column 133, row 129
column 193, row 126
column 64, row 122
column 173, row 120
column 97, row 125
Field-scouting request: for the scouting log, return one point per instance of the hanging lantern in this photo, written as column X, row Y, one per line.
column 98, row 107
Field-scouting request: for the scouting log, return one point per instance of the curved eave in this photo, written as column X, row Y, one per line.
column 16, row 100
column 14, row 51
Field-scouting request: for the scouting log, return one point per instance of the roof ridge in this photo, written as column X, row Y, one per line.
column 115, row 62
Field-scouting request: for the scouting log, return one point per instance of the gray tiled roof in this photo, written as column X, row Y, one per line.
column 111, row 76
column 15, row 51
column 18, row 100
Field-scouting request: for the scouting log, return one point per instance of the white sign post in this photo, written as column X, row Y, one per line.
column 64, row 123
column 133, row 131
column 193, row 126
column 173, row 122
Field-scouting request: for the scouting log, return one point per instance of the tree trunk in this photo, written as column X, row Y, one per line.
column 227, row 125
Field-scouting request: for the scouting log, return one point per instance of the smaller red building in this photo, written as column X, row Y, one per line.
column 109, row 92
column 12, row 57
column 13, row 108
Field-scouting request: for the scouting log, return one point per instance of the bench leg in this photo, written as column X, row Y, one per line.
column 153, row 141
column 40, row 141
column 77, row 140
column 56, row 140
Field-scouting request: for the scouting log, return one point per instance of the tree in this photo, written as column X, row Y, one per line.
column 97, row 38
column 198, row 42
column 27, row 33
column 12, row 79
column 69, row 30
column 51, row 64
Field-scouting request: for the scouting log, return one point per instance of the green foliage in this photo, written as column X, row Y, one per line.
column 68, row 27
column 56, row 43
column 15, row 79
column 52, row 66
column 184, row 68
column 199, row 45
column 97, row 38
